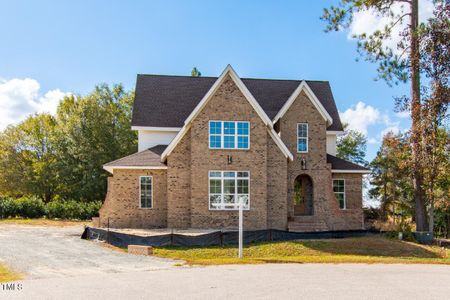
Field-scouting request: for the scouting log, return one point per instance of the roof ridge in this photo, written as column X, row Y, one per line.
column 242, row 78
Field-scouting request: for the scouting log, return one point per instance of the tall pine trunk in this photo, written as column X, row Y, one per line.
column 416, row 132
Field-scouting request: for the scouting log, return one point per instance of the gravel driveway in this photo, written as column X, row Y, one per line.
column 46, row 252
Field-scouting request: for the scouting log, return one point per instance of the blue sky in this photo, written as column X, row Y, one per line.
column 55, row 47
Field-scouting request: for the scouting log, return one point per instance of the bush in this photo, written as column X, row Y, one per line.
column 33, row 207
column 72, row 209
column 8, row 208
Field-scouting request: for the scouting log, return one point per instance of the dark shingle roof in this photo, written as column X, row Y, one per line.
column 341, row 164
column 167, row 101
column 147, row 158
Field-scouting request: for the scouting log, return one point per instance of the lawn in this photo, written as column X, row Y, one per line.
column 43, row 222
column 8, row 275
column 349, row 250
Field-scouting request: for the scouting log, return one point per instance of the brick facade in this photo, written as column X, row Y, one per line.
column 181, row 192
column 121, row 205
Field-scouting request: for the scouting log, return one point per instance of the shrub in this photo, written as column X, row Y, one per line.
column 33, row 207
column 8, row 208
column 72, row 209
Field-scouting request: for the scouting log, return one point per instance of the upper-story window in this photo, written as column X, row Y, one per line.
column 302, row 137
column 229, row 135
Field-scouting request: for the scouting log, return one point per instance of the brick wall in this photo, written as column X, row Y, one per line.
column 122, row 200
column 179, row 184
column 228, row 103
column 352, row 217
column 276, row 187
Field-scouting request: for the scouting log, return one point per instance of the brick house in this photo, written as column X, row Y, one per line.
column 207, row 144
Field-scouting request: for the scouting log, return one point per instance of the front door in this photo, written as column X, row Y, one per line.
column 303, row 196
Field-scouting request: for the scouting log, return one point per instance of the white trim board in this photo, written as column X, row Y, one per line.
column 228, row 71
column 110, row 169
column 149, row 128
column 351, row 171
column 303, row 86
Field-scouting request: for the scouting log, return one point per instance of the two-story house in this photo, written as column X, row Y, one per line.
column 208, row 144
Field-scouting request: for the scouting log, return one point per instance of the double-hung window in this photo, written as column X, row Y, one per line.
column 227, row 189
column 302, row 137
column 229, row 135
column 145, row 192
column 339, row 192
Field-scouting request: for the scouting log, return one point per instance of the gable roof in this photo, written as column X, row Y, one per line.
column 303, row 86
column 147, row 159
column 167, row 101
column 232, row 74
column 339, row 165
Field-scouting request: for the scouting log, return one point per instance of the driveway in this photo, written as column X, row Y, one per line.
column 276, row 281
column 48, row 252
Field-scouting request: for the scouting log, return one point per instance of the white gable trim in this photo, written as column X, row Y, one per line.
column 228, row 71
column 303, row 86
column 150, row 128
column 280, row 144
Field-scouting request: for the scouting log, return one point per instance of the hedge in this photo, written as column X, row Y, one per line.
column 33, row 207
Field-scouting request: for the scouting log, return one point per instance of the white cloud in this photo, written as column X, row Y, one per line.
column 21, row 97
column 403, row 114
column 361, row 116
column 395, row 129
column 373, row 141
column 369, row 21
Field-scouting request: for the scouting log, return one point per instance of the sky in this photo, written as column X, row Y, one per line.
column 55, row 48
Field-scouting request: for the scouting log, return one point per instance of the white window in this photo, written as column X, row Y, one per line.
column 339, row 192
column 227, row 189
column 145, row 192
column 302, row 137
column 229, row 135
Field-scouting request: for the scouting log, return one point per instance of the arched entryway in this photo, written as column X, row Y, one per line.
column 303, row 196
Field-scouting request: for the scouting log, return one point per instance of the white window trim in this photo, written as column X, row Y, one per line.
column 222, row 186
column 307, row 138
column 140, row 202
column 345, row 198
column 222, row 135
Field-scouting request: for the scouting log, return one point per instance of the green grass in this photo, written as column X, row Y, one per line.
column 43, row 222
column 349, row 250
column 8, row 275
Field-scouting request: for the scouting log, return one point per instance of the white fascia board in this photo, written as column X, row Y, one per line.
column 303, row 86
column 335, row 132
column 150, row 128
column 280, row 144
column 351, row 171
column 110, row 169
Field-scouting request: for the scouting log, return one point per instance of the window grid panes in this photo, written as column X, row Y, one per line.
column 339, row 192
column 229, row 135
column 146, row 191
column 227, row 189
column 302, row 137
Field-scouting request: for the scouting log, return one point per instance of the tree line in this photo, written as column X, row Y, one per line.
column 61, row 156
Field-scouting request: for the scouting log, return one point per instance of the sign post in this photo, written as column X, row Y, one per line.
column 241, row 225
